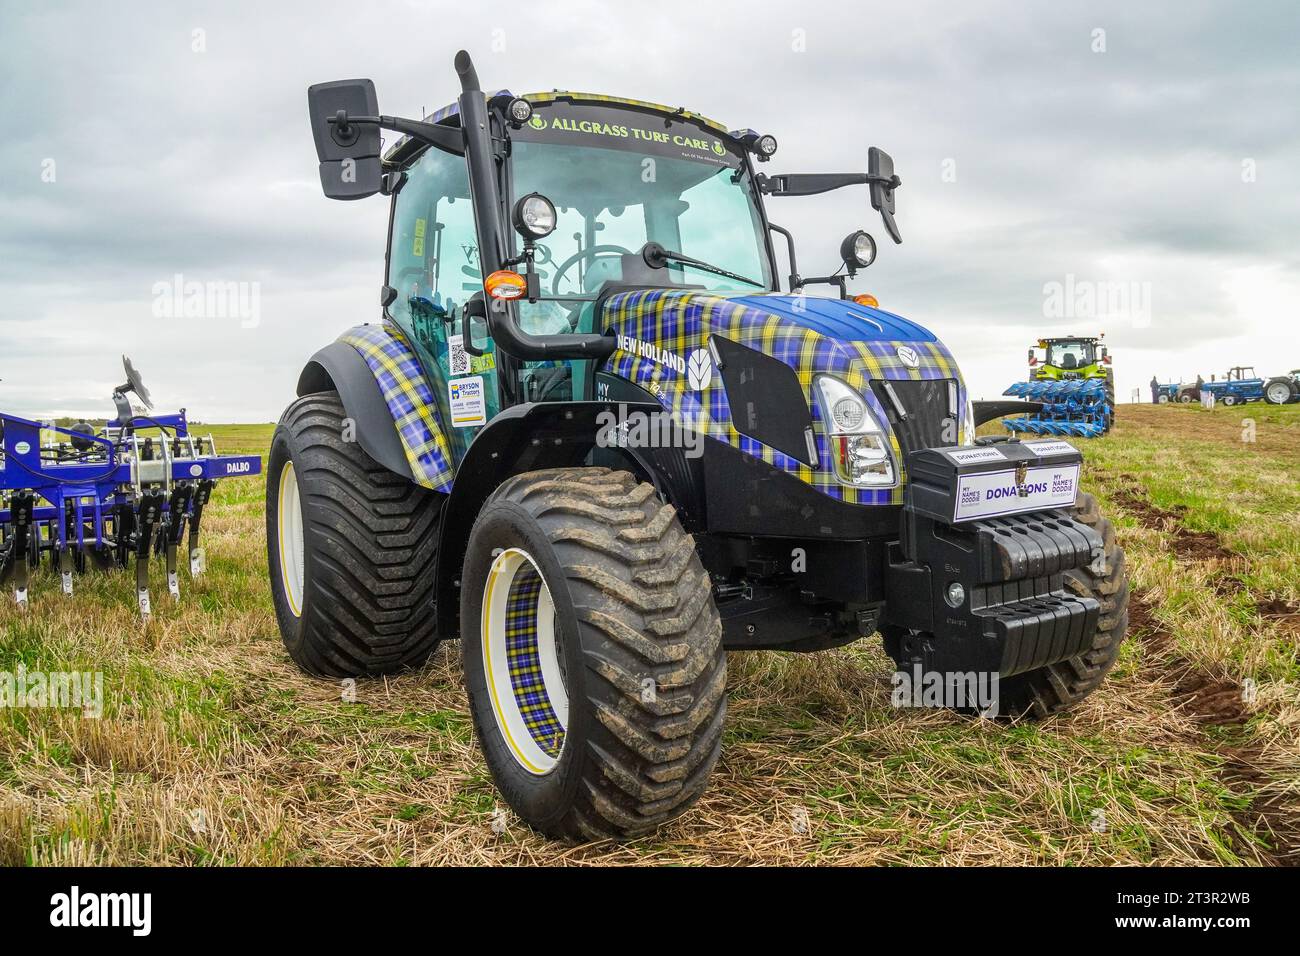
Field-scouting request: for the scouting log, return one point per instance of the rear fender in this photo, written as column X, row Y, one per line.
column 389, row 401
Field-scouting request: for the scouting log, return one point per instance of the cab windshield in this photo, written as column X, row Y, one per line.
column 620, row 179
column 1070, row 354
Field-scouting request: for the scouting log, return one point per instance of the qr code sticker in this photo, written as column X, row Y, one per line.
column 457, row 357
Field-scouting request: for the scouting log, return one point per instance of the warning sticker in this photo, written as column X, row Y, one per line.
column 468, row 407
column 1005, row 492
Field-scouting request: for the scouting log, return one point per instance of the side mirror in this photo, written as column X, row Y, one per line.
column 880, row 170
column 350, row 165
column 1031, row 356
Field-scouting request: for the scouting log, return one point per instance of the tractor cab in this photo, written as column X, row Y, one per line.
column 1069, row 357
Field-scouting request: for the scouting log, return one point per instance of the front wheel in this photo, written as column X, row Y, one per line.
column 593, row 654
column 350, row 549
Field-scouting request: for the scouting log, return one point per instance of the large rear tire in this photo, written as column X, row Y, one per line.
column 350, row 548
column 593, row 654
column 1279, row 391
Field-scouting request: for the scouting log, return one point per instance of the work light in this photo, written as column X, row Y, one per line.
column 534, row 216
column 858, row 250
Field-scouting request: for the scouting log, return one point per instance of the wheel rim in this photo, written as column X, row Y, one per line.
column 1278, row 394
column 521, row 661
column 290, row 539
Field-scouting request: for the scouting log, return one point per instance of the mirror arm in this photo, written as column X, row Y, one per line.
column 445, row 138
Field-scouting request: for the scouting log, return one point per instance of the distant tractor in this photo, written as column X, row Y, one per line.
column 1239, row 385
column 1074, row 384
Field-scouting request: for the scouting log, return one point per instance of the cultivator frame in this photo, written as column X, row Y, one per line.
column 106, row 497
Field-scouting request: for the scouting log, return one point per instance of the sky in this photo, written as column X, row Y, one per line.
column 1067, row 167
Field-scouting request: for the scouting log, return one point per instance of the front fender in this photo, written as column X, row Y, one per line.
column 522, row 438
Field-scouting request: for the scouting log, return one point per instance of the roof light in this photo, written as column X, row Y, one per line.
column 867, row 299
column 519, row 110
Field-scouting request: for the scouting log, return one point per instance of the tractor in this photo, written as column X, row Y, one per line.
column 102, row 498
column 1074, row 384
column 591, row 437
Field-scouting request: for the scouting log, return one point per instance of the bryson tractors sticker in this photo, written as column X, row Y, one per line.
column 468, row 406
column 1009, row 492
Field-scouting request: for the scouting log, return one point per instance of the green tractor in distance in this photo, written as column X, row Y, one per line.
column 593, row 439
column 1075, row 384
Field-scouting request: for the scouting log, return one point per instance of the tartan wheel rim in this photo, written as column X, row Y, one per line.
column 522, row 661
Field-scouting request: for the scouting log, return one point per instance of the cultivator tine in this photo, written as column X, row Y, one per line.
column 151, row 505
column 172, row 532
column 20, row 517
column 202, row 495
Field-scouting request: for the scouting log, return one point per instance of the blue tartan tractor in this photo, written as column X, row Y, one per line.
column 594, row 439
column 86, row 497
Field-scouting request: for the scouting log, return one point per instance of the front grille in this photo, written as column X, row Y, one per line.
column 930, row 422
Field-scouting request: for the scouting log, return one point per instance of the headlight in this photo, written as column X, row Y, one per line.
column 858, row 446
column 534, row 216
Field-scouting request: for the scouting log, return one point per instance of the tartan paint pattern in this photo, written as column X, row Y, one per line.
column 682, row 321
column 525, row 663
column 410, row 401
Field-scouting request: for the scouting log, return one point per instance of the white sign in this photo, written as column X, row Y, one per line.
column 997, row 492
column 965, row 456
column 1041, row 448
column 468, row 408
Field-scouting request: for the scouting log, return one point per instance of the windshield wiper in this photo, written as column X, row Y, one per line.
column 657, row 257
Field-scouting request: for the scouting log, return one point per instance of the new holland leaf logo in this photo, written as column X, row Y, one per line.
column 907, row 355
column 699, row 369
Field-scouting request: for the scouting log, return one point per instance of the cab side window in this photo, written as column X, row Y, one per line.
column 433, row 261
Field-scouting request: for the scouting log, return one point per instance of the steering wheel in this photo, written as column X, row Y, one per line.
column 591, row 252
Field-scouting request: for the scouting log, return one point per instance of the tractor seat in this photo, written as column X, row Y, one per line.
column 1069, row 361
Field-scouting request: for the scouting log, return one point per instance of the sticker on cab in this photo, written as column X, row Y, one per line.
column 468, row 404
column 996, row 493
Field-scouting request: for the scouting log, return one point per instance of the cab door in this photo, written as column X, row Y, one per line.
column 433, row 264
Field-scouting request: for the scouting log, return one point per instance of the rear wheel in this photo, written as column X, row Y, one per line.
column 350, row 548
column 1279, row 391
column 593, row 654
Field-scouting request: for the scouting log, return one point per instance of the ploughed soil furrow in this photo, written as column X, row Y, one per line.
column 1214, row 700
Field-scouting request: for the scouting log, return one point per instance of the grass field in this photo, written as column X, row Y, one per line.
column 214, row 749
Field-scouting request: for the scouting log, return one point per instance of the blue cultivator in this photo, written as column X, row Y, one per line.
column 1075, row 407
column 105, row 496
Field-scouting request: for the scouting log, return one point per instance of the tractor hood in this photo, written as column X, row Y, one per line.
column 663, row 346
